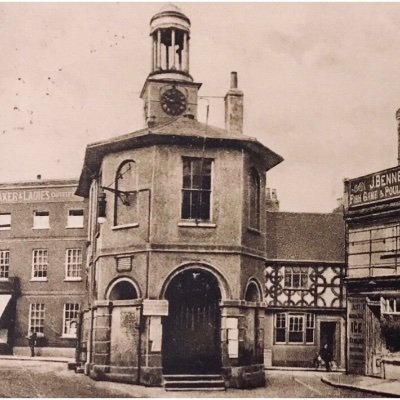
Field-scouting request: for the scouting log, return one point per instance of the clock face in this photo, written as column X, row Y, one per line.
column 173, row 102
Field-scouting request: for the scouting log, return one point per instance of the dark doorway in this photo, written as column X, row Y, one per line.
column 327, row 335
column 191, row 332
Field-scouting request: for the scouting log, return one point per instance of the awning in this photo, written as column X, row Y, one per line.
column 4, row 299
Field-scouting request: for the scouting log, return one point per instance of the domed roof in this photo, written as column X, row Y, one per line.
column 170, row 7
column 169, row 14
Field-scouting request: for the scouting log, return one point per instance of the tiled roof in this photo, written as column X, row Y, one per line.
column 181, row 130
column 180, row 126
column 305, row 236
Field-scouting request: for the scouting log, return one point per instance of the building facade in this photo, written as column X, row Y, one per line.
column 304, row 290
column 176, row 255
column 373, row 277
column 42, row 277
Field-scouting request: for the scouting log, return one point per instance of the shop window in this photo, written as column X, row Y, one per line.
column 196, row 189
column 73, row 264
column 41, row 220
column 5, row 222
column 36, row 317
column 280, row 328
column 255, row 199
column 75, row 218
column 4, row 263
column 296, row 277
column 125, row 197
column 71, row 314
column 39, row 264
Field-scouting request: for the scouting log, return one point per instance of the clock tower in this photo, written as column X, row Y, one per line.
column 169, row 90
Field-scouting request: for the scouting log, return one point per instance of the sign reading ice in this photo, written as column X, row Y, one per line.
column 375, row 187
column 38, row 195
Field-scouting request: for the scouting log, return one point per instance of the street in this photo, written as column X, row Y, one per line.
column 50, row 379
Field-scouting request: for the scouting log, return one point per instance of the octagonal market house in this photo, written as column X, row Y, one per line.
column 176, row 236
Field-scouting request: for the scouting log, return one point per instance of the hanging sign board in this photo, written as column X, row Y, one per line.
column 155, row 307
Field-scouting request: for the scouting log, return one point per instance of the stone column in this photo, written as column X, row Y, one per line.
column 153, row 53
column 173, row 48
column 159, row 49
column 101, row 339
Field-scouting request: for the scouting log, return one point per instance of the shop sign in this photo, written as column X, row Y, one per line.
column 155, row 307
column 356, row 335
column 375, row 187
column 38, row 195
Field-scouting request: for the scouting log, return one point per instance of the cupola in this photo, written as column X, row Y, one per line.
column 169, row 91
column 170, row 35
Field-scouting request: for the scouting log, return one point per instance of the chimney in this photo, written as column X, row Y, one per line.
column 271, row 200
column 398, row 135
column 38, row 177
column 234, row 107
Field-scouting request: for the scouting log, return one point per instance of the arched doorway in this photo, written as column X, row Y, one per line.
column 191, row 332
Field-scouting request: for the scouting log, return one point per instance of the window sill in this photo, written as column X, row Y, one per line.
column 126, row 226
column 74, row 227
column 5, row 229
column 38, row 280
column 293, row 344
column 254, row 230
column 194, row 224
column 67, row 337
column 73, row 279
column 4, row 279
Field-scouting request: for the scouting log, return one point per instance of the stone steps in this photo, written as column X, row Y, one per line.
column 193, row 382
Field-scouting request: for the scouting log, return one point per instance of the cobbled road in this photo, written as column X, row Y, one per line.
column 49, row 379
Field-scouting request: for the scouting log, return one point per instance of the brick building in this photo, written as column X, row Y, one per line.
column 42, row 277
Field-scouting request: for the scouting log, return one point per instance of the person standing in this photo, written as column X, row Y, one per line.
column 326, row 355
column 32, row 341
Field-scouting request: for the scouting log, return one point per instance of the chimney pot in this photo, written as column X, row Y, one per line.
column 38, row 177
column 234, row 107
column 234, row 80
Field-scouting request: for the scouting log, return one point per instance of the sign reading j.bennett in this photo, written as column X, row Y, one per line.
column 375, row 187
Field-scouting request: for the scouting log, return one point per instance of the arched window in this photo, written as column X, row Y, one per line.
column 122, row 290
column 252, row 292
column 125, row 197
column 254, row 217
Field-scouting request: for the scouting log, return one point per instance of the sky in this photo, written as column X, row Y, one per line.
column 321, row 85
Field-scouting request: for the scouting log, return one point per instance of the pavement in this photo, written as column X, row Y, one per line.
column 37, row 358
column 367, row 384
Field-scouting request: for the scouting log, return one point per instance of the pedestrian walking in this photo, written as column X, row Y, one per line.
column 32, row 341
column 326, row 355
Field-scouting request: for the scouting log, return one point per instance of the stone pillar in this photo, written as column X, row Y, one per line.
column 153, row 53
column 242, row 355
column 159, row 49
column 185, row 57
column 101, row 339
column 173, row 48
